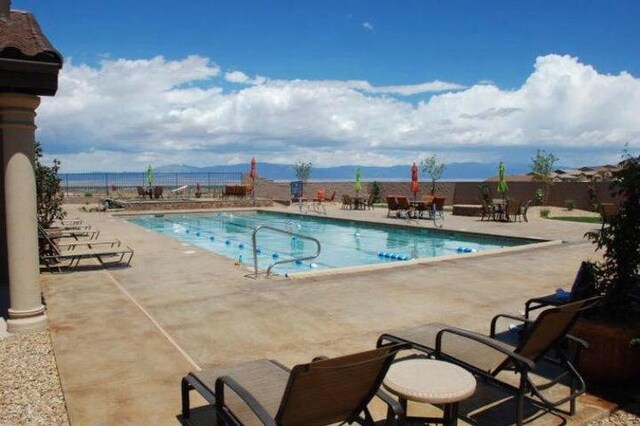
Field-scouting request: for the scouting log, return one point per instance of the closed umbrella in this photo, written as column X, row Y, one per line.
column 358, row 185
column 149, row 175
column 502, row 183
column 415, row 186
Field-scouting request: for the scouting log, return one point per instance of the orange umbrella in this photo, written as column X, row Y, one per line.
column 415, row 186
column 253, row 173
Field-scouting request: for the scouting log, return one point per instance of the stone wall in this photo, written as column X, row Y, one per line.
column 454, row 192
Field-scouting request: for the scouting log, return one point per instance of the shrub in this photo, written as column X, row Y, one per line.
column 49, row 194
column 376, row 191
column 538, row 197
column 570, row 204
column 545, row 213
column 88, row 194
column 619, row 239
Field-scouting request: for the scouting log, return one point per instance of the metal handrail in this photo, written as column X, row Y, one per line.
column 280, row 262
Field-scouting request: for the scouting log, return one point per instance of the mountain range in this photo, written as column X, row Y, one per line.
column 453, row 171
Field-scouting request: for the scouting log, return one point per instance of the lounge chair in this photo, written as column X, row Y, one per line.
column 584, row 281
column 76, row 234
column 324, row 391
column 53, row 253
column 493, row 360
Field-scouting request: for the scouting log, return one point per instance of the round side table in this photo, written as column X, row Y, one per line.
column 430, row 381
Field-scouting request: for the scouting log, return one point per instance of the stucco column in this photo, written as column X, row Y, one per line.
column 17, row 128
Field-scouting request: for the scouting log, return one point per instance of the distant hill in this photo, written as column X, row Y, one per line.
column 453, row 171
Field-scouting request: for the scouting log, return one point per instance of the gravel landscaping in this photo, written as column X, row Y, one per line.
column 30, row 391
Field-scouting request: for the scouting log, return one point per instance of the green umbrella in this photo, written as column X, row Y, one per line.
column 358, row 185
column 502, row 184
column 149, row 175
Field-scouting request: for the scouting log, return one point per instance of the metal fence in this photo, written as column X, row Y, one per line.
column 123, row 185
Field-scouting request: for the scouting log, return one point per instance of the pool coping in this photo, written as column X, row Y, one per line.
column 346, row 270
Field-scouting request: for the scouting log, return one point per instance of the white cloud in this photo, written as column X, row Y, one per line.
column 241, row 78
column 125, row 114
column 367, row 26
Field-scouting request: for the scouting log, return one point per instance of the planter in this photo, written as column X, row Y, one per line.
column 609, row 360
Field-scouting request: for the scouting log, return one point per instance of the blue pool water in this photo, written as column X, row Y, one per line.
column 344, row 243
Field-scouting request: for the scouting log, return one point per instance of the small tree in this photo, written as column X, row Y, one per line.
column 620, row 242
column 48, row 190
column 434, row 169
column 542, row 167
column 303, row 170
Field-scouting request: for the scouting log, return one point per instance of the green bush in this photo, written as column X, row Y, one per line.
column 49, row 194
column 376, row 191
column 570, row 204
column 538, row 197
column 545, row 213
column 88, row 194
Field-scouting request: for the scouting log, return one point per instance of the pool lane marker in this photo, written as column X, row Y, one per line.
column 155, row 323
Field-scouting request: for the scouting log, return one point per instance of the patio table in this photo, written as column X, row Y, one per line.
column 430, row 381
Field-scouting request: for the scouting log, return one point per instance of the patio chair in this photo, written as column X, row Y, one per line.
column 53, row 253
column 404, row 207
column 347, row 202
column 392, row 206
column 514, row 210
column 370, row 200
column 582, row 285
column 142, row 193
column 438, row 206
column 540, row 352
column 607, row 212
column 157, row 192
column 324, row 391
column 332, row 198
column 524, row 210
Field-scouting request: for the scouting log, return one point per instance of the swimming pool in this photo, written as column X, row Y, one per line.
column 344, row 243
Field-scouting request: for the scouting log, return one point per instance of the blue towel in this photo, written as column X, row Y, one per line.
column 563, row 295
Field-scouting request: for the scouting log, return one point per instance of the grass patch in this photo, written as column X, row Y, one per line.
column 581, row 219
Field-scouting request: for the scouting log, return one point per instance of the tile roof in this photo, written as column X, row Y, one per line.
column 22, row 38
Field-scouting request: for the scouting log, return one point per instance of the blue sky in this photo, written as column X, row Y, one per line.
column 339, row 82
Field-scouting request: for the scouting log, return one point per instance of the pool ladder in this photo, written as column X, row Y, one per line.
column 280, row 262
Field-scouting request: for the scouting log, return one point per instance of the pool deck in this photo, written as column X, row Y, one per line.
column 123, row 337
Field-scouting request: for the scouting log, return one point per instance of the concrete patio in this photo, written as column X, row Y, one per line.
column 123, row 338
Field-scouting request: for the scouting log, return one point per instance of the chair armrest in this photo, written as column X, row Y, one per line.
column 115, row 242
column 495, row 319
column 578, row 341
column 248, row 399
column 320, row 358
column 394, row 405
column 487, row 341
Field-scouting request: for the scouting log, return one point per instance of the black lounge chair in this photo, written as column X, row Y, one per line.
column 541, row 346
column 582, row 287
column 324, row 391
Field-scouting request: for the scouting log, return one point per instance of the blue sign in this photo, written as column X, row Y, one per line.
column 296, row 189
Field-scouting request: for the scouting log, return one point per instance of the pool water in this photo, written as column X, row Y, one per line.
column 344, row 243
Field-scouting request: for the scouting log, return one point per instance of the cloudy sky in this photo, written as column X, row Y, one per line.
column 339, row 82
